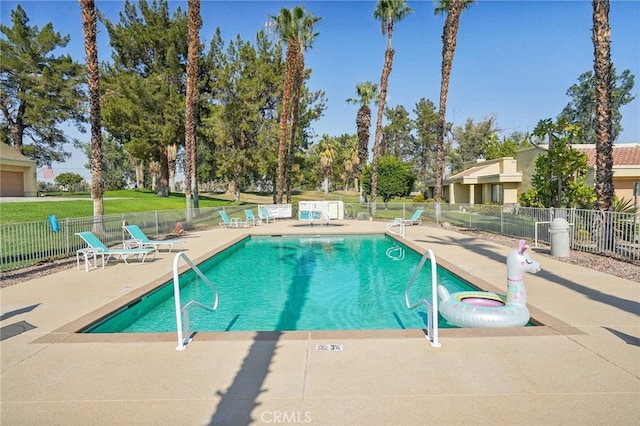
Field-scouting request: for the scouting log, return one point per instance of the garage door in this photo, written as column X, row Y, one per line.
column 11, row 184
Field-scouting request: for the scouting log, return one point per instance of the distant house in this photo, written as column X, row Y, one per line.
column 17, row 174
column 484, row 182
column 502, row 180
column 626, row 166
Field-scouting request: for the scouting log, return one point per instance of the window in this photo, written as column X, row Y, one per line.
column 497, row 193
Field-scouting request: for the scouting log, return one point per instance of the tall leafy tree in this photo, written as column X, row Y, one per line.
column 366, row 92
column 145, row 94
column 581, row 109
column 396, row 178
column 423, row 154
column 295, row 27
column 89, row 27
column 190, row 122
column 398, row 133
column 473, row 138
column 39, row 91
column 243, row 112
column 453, row 9
column 388, row 12
column 117, row 168
column 559, row 178
column 505, row 147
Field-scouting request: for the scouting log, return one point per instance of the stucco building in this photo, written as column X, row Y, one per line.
column 501, row 180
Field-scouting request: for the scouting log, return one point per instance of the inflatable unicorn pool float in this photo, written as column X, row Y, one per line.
column 485, row 309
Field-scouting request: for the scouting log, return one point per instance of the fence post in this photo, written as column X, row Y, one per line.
column 66, row 232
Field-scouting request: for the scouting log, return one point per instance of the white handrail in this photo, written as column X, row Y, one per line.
column 396, row 222
column 182, row 341
column 432, row 307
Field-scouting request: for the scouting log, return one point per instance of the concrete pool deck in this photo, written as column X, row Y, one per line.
column 582, row 367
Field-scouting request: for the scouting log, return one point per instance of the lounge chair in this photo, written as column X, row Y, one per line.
column 94, row 243
column 263, row 214
column 139, row 239
column 231, row 223
column 415, row 219
column 251, row 219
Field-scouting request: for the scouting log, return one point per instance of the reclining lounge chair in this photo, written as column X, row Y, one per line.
column 415, row 219
column 94, row 243
column 140, row 240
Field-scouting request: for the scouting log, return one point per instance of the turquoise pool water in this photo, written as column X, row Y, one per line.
column 278, row 283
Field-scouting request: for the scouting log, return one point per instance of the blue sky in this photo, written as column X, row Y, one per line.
column 514, row 59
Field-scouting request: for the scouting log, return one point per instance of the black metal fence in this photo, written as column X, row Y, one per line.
column 609, row 233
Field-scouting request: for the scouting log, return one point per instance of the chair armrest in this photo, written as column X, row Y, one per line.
column 132, row 243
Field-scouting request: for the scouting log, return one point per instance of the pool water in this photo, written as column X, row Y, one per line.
column 278, row 283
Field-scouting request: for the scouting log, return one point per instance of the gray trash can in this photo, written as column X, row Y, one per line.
column 559, row 230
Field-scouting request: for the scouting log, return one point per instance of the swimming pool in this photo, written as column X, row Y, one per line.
column 281, row 283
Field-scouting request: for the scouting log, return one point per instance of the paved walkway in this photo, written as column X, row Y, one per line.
column 582, row 367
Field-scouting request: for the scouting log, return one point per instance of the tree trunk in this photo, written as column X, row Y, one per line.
column 363, row 124
column 601, row 37
column 163, row 190
column 172, row 154
column 89, row 25
column 449, row 35
column 284, row 118
column 193, row 10
column 384, row 83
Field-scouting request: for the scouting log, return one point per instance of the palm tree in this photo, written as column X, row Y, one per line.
column 601, row 37
column 327, row 149
column 295, row 28
column 453, row 9
column 366, row 93
column 190, row 183
column 388, row 12
column 89, row 27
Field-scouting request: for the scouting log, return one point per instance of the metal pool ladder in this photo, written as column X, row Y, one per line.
column 182, row 341
column 432, row 307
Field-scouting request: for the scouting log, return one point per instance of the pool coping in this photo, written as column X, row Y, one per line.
column 545, row 324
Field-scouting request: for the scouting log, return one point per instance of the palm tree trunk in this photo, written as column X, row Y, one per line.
column 284, row 120
column 449, row 36
column 89, row 25
column 295, row 107
column 363, row 123
column 384, row 84
column 193, row 7
column 601, row 37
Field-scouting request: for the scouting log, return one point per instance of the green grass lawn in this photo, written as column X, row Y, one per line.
column 133, row 201
column 115, row 202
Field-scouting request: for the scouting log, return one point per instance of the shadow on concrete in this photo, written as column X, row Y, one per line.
column 12, row 330
column 240, row 400
column 24, row 310
column 627, row 338
column 471, row 244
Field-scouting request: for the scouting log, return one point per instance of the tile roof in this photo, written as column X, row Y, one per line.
column 623, row 155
